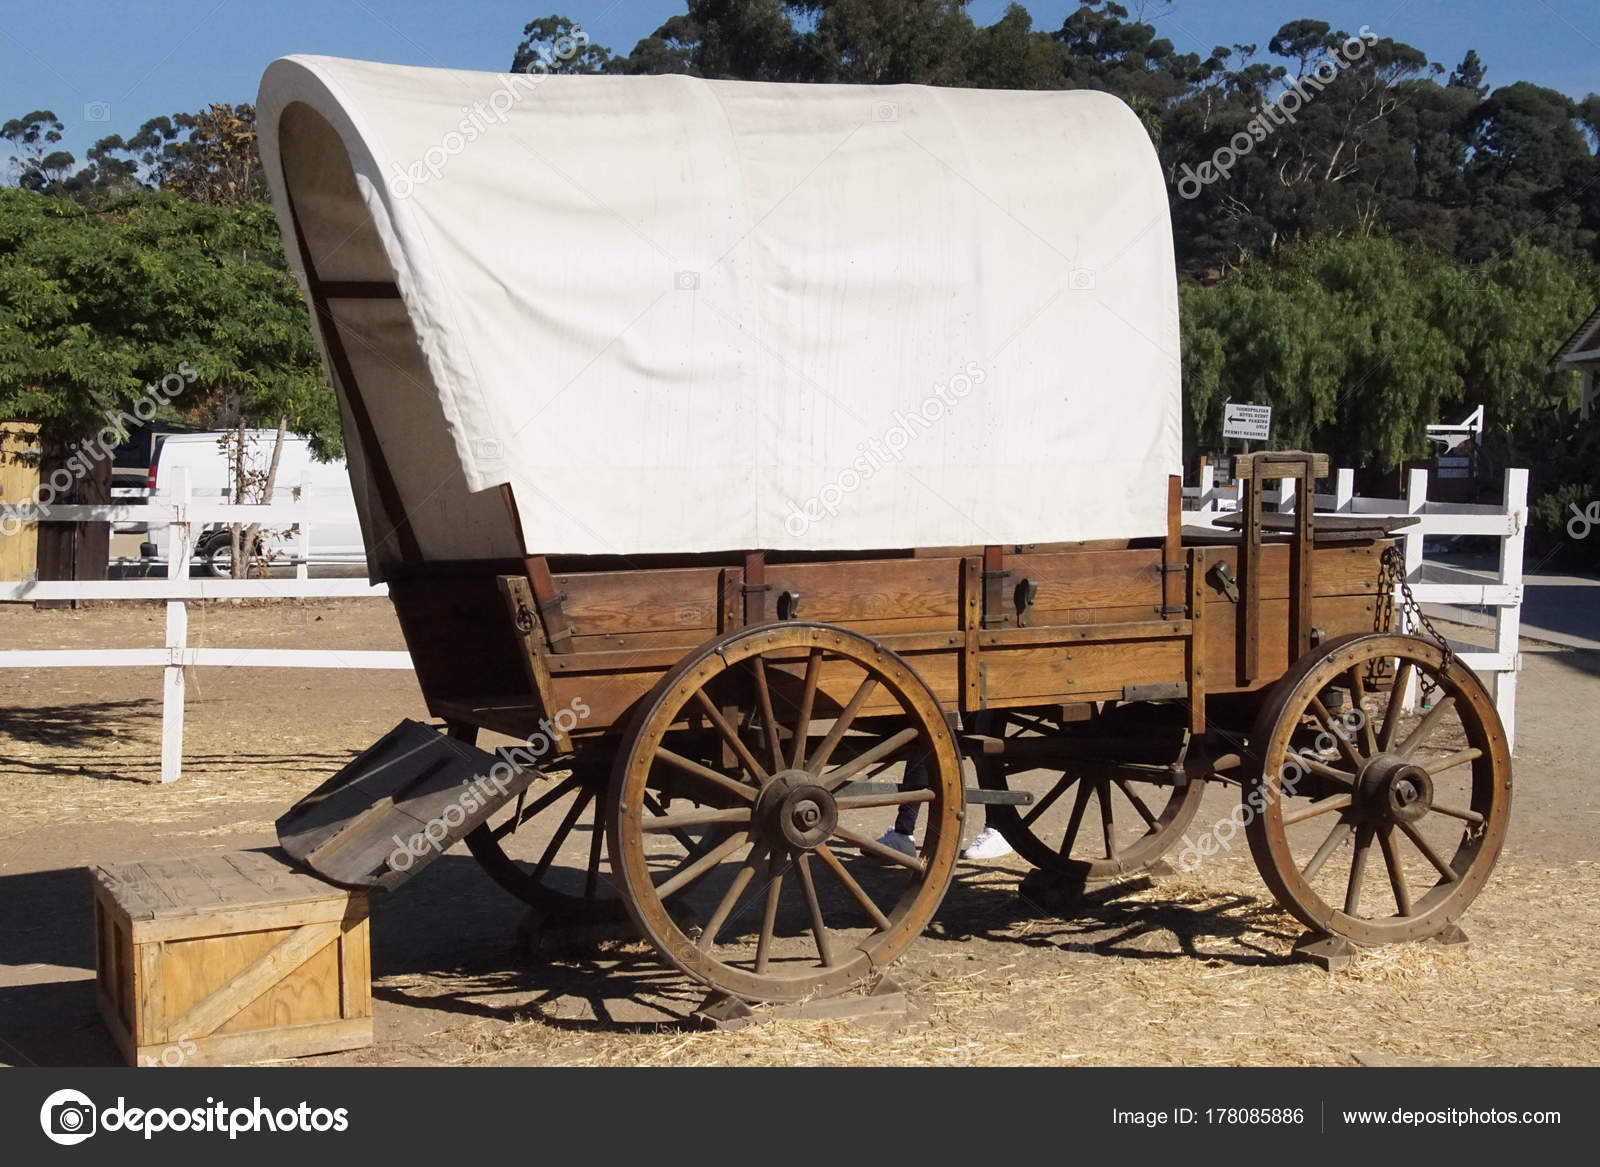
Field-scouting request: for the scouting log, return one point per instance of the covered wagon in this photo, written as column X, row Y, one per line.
column 753, row 453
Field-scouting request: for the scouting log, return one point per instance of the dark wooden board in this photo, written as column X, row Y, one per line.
column 396, row 799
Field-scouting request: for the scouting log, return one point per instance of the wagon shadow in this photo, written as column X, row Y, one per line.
column 1114, row 920
column 76, row 725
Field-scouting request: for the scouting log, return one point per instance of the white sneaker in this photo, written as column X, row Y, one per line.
column 990, row 844
column 896, row 841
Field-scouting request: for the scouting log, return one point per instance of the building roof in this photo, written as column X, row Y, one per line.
column 1585, row 340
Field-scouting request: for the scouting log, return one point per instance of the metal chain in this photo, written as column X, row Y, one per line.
column 1394, row 572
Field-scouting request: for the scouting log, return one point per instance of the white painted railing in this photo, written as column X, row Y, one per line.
column 1506, row 520
column 185, row 517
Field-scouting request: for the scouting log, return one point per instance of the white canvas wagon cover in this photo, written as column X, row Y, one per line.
column 678, row 315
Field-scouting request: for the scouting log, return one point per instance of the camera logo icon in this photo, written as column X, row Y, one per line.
column 97, row 111
column 686, row 281
column 1081, row 279
column 885, row 111
column 68, row 1117
column 489, row 449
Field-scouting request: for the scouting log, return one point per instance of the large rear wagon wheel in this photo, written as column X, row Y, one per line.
column 546, row 849
column 1082, row 824
column 737, row 843
column 1368, row 821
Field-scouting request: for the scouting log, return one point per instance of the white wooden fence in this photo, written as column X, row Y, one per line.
column 1506, row 520
column 186, row 517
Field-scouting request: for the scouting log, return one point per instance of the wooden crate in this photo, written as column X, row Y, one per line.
column 228, row 959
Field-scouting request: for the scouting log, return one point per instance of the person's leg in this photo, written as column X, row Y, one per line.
column 915, row 778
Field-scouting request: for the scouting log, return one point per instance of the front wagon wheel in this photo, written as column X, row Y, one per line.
column 746, row 804
column 1369, row 821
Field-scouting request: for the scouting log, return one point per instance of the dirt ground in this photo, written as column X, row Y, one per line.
column 1189, row 969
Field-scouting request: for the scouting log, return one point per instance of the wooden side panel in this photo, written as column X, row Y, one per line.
column 1072, row 585
column 460, row 636
column 1340, row 570
column 1079, row 672
column 618, row 603
column 1336, row 616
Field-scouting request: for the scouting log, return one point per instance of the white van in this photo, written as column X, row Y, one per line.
column 203, row 457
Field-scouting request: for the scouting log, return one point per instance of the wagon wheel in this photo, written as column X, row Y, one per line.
column 1368, row 821
column 1084, row 824
column 769, row 902
column 545, row 848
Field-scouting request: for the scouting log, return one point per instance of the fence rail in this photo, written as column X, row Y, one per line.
column 184, row 516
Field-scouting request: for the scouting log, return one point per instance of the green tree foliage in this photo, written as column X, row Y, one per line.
column 97, row 305
column 554, row 44
column 1359, row 344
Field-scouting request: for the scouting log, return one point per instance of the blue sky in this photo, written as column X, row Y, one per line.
column 132, row 60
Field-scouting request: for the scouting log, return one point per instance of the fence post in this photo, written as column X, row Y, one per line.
column 1508, row 619
column 1208, row 488
column 1344, row 490
column 180, row 543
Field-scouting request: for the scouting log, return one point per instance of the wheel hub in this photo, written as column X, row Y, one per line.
column 1394, row 789
column 794, row 811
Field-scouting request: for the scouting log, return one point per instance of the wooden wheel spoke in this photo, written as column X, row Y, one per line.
column 1045, row 803
column 566, row 786
column 769, row 913
column 656, row 808
column 836, row 778
column 1079, row 805
column 819, row 929
column 730, row 898
column 1429, row 723
column 1102, row 793
column 562, row 831
column 1341, row 831
column 898, row 798
column 1450, row 762
column 1433, row 857
column 1319, row 807
column 694, row 867
column 732, row 785
column 825, row 853
column 1391, row 713
column 1466, row 816
column 1138, row 803
column 841, row 724
column 729, row 735
column 1358, row 869
column 694, row 818
column 873, row 847
column 1397, row 877
column 808, row 698
column 1358, row 698
column 1340, row 735
column 1333, row 773
column 597, row 838
column 768, row 721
